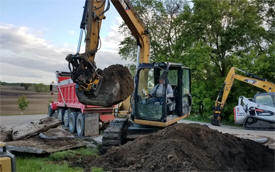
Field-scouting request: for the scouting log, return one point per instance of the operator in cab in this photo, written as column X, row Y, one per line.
column 157, row 94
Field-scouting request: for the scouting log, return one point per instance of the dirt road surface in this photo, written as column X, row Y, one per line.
column 16, row 120
column 266, row 137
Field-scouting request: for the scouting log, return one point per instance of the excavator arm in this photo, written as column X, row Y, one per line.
column 248, row 78
column 136, row 27
column 92, row 87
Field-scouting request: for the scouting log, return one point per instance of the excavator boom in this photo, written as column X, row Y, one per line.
column 113, row 84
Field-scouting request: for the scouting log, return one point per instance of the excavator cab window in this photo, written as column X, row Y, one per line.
column 148, row 106
column 186, row 91
column 144, row 104
column 186, row 81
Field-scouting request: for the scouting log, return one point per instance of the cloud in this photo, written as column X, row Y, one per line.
column 114, row 37
column 71, row 32
column 27, row 57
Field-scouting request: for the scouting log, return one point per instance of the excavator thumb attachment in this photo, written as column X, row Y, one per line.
column 117, row 84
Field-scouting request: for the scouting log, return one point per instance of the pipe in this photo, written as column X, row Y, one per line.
column 138, row 56
column 79, row 41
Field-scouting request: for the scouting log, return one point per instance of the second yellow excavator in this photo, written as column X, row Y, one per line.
column 229, row 80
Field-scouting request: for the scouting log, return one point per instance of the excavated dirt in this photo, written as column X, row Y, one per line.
column 117, row 85
column 186, row 147
column 122, row 75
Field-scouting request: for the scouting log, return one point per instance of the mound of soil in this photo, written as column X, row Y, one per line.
column 121, row 74
column 188, row 147
column 117, row 85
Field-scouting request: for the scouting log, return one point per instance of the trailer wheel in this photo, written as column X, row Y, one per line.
column 80, row 124
column 50, row 111
column 60, row 114
column 66, row 118
column 72, row 121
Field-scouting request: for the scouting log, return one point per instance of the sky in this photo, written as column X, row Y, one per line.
column 36, row 36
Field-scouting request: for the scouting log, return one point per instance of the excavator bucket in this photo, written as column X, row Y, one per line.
column 116, row 86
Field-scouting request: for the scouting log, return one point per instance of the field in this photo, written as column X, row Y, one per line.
column 38, row 101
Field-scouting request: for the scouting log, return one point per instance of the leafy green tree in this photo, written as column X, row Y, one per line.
column 22, row 103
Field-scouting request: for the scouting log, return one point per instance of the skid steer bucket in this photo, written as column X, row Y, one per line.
column 116, row 86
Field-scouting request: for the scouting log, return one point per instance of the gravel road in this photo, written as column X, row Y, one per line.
column 16, row 120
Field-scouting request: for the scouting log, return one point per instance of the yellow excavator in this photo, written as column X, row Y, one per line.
column 146, row 115
column 249, row 78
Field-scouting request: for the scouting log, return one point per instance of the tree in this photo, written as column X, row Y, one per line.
column 25, row 85
column 41, row 87
column 22, row 103
column 210, row 36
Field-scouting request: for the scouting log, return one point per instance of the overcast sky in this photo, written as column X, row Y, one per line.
column 36, row 36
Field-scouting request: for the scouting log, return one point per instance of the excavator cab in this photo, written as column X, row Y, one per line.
column 161, row 110
column 149, row 116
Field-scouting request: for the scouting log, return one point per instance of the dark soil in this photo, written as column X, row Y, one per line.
column 123, row 76
column 117, row 85
column 187, row 147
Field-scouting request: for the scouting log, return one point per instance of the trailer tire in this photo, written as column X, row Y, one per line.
column 60, row 114
column 66, row 118
column 50, row 111
column 72, row 121
column 80, row 124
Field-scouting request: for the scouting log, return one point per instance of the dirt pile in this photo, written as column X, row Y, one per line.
column 121, row 74
column 188, row 147
column 117, row 85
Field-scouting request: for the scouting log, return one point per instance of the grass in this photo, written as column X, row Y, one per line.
column 56, row 162
column 34, row 164
column 58, row 156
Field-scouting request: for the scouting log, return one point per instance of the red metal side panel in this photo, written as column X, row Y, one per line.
column 68, row 91
column 62, row 78
column 107, row 118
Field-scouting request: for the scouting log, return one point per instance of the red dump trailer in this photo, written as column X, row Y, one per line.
column 85, row 120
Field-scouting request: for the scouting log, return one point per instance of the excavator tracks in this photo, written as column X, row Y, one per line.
column 252, row 123
column 115, row 134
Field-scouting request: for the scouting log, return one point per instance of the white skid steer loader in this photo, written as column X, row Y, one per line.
column 257, row 113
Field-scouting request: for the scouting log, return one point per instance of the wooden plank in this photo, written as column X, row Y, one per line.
column 41, row 146
column 34, row 128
